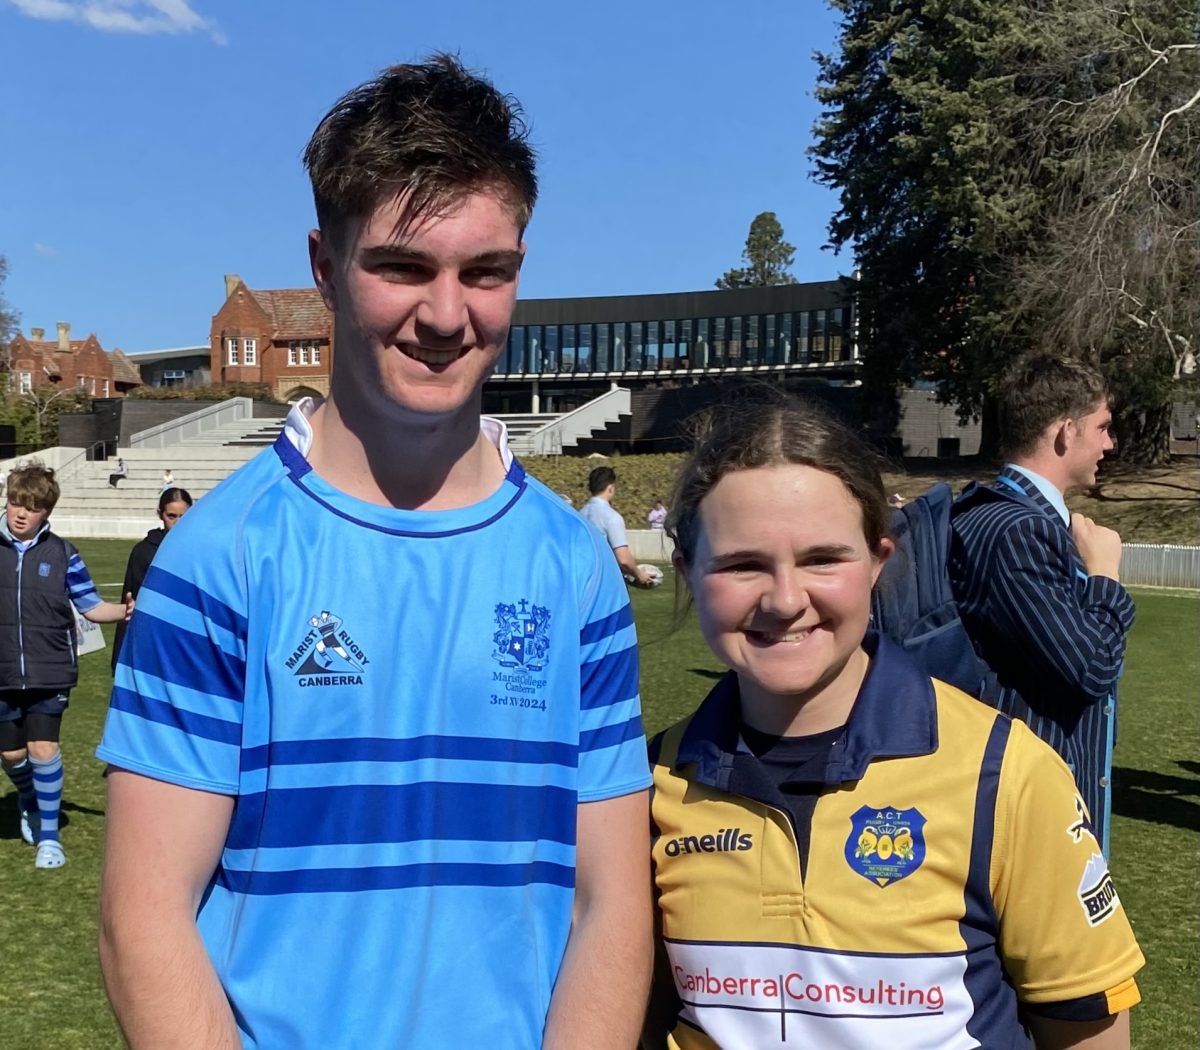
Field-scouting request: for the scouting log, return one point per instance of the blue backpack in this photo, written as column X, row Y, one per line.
column 913, row 603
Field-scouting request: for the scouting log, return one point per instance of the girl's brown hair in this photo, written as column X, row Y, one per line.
column 746, row 436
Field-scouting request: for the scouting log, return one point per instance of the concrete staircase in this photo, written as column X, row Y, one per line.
column 91, row 507
column 248, row 434
column 521, row 425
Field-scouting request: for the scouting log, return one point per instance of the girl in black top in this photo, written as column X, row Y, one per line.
column 173, row 504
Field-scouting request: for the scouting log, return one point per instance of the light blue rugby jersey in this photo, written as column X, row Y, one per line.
column 408, row 707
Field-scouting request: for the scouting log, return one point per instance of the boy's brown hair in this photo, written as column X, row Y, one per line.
column 1041, row 390
column 33, row 487
column 431, row 133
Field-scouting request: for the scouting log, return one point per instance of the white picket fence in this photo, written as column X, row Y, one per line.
column 1160, row 565
column 1142, row 564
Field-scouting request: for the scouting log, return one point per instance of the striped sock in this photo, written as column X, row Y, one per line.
column 48, row 780
column 22, row 777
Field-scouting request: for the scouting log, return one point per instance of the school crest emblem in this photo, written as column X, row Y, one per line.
column 886, row 844
column 522, row 637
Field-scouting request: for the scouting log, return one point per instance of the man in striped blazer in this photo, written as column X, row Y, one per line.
column 1037, row 586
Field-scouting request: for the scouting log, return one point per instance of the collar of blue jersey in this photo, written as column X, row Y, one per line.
column 297, row 431
column 1039, row 489
column 894, row 716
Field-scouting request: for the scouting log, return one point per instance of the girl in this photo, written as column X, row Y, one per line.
column 173, row 504
column 848, row 853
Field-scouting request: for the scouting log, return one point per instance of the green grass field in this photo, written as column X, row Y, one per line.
column 51, row 995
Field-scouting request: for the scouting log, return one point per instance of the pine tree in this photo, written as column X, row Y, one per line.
column 767, row 256
column 1016, row 175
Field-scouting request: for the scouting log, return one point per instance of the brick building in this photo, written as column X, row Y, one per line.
column 67, row 364
column 282, row 337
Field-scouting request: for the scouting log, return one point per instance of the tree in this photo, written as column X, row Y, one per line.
column 767, row 256
column 973, row 143
column 905, row 139
column 8, row 318
column 1114, row 97
column 34, row 415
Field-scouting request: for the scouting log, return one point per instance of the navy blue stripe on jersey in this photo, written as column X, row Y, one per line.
column 607, row 626
column 610, row 679
column 402, row 813
column 187, row 593
column 610, row 736
column 173, row 654
column 372, row 749
column 358, row 880
column 166, row 714
column 817, row 949
column 1087, row 1008
column 985, row 973
column 80, row 588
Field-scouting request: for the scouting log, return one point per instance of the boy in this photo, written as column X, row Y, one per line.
column 41, row 577
column 374, row 732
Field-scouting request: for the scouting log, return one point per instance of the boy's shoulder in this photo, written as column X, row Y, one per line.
column 50, row 536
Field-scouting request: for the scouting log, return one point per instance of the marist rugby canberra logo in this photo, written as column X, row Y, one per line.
column 327, row 655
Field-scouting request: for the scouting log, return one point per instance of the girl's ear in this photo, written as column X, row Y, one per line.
column 886, row 549
column 678, row 562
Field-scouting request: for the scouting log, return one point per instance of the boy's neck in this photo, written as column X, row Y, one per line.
column 441, row 465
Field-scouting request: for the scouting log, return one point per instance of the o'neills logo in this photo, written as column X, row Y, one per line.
column 726, row 840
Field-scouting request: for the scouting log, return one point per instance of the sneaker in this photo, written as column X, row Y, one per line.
column 30, row 824
column 50, row 854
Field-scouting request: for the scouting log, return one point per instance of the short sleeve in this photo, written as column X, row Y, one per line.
column 614, row 529
column 1065, row 939
column 80, row 588
column 612, row 742
column 179, row 684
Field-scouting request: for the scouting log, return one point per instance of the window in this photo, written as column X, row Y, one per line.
column 683, row 342
column 583, row 358
column 620, row 345
column 603, row 358
column 173, row 377
column 514, row 359
column 231, row 346
column 293, row 355
column 786, row 338
column 251, row 350
column 93, row 386
column 106, row 388
column 81, row 382
column 751, row 339
column 315, row 350
column 653, row 345
column 703, row 342
column 570, row 347
column 26, row 382
column 304, row 353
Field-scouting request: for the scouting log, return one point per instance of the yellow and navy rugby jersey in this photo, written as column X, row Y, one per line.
column 952, row 875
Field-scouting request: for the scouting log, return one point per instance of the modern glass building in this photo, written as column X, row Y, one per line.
column 563, row 352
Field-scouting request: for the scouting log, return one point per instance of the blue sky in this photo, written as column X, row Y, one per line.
column 151, row 146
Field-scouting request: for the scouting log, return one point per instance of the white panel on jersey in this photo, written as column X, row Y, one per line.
column 756, row 996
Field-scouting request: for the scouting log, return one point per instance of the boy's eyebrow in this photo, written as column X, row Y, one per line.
column 496, row 257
